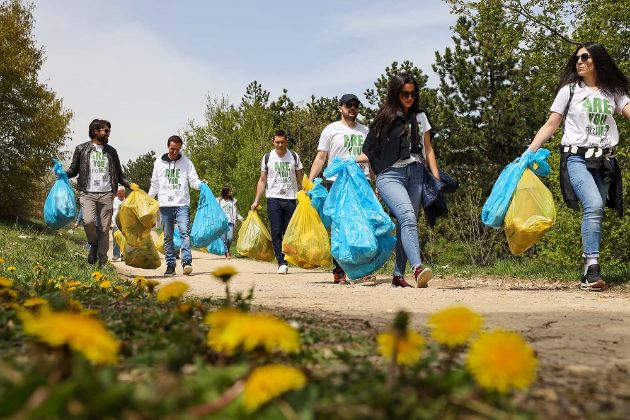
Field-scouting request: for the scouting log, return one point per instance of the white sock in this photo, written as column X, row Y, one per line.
column 588, row 261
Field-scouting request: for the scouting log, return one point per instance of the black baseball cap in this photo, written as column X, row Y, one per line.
column 347, row 98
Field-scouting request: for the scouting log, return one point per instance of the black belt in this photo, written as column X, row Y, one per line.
column 588, row 152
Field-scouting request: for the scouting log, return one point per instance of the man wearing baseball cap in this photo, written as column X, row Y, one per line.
column 343, row 138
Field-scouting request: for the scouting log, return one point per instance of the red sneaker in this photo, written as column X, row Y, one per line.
column 339, row 277
column 399, row 281
column 422, row 275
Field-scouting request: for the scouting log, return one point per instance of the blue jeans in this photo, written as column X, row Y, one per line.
column 115, row 247
column 279, row 211
column 592, row 192
column 401, row 190
column 169, row 216
column 228, row 237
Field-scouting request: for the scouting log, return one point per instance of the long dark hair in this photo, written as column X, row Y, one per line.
column 609, row 78
column 388, row 111
column 226, row 193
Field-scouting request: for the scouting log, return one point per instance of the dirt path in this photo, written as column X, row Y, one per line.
column 582, row 338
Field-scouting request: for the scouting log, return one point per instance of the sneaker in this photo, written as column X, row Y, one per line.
column 283, row 269
column 92, row 255
column 399, row 281
column 170, row 270
column 592, row 279
column 339, row 277
column 422, row 276
column 115, row 258
column 187, row 268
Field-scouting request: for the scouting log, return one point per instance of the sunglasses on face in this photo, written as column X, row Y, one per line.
column 406, row 94
column 582, row 57
column 349, row 105
column 106, row 130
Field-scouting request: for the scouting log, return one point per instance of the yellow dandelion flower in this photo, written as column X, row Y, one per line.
column 35, row 302
column 173, row 290
column 500, row 360
column 453, row 326
column 8, row 292
column 105, row 284
column 119, row 289
column 74, row 305
column 408, row 347
column 5, row 282
column 232, row 329
column 151, row 284
column 38, row 267
column 184, row 308
column 81, row 333
column 224, row 273
column 97, row 275
column 1, row 260
column 141, row 282
column 268, row 382
column 11, row 268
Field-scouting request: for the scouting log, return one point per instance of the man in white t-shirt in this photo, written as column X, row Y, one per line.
column 173, row 174
column 120, row 197
column 280, row 179
column 99, row 170
column 343, row 138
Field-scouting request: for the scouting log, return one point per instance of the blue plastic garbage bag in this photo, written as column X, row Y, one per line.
column 210, row 221
column 318, row 195
column 60, row 205
column 217, row 247
column 177, row 240
column 362, row 234
column 497, row 204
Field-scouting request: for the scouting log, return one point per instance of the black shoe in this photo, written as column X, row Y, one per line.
column 592, row 279
column 170, row 270
column 92, row 254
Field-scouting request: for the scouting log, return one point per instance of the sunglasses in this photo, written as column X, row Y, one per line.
column 349, row 105
column 407, row 94
column 582, row 57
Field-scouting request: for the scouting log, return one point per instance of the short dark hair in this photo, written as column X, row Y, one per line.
column 280, row 133
column 226, row 193
column 96, row 125
column 174, row 139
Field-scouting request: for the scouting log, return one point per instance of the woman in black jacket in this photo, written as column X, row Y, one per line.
column 398, row 146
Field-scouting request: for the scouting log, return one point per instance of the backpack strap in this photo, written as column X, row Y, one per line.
column 566, row 110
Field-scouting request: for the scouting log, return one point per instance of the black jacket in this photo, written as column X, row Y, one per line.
column 608, row 168
column 81, row 166
column 389, row 147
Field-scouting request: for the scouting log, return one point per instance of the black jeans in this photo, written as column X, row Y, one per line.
column 279, row 211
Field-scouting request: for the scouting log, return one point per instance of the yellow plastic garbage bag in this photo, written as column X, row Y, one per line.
column 531, row 213
column 120, row 240
column 159, row 244
column 137, row 215
column 142, row 256
column 254, row 240
column 306, row 242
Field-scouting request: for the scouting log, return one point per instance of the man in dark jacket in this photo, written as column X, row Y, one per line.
column 98, row 167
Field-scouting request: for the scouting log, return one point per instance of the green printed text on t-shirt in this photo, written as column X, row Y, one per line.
column 98, row 162
column 598, row 110
column 172, row 177
column 282, row 168
column 354, row 143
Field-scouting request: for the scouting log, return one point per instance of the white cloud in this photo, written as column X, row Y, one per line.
column 105, row 66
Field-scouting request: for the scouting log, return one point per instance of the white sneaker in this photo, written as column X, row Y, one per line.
column 283, row 269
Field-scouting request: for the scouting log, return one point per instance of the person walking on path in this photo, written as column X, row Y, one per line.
column 173, row 175
column 98, row 167
column 343, row 138
column 281, row 173
column 398, row 150
column 228, row 204
column 590, row 91
column 120, row 197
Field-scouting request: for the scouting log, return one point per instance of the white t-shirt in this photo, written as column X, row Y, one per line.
column 425, row 126
column 281, row 179
column 340, row 140
column 590, row 121
column 116, row 206
column 99, row 171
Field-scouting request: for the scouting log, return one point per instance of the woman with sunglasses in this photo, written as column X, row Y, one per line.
column 591, row 89
column 397, row 150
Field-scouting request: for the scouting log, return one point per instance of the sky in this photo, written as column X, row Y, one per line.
column 149, row 66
